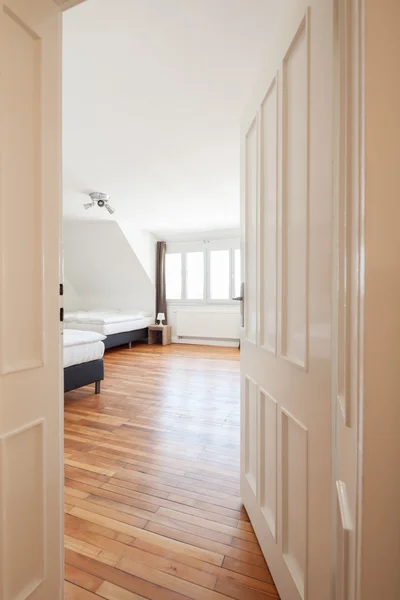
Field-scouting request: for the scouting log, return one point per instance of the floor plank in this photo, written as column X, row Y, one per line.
column 152, row 496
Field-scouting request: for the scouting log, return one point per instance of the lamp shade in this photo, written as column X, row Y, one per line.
column 161, row 317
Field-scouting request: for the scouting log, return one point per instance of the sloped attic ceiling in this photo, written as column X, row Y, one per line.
column 152, row 101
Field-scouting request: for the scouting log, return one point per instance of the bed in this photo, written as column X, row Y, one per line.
column 83, row 359
column 118, row 327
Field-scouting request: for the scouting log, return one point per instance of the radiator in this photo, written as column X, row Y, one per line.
column 208, row 325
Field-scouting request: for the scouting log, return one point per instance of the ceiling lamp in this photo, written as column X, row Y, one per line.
column 101, row 200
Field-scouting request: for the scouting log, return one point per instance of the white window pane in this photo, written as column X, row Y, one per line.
column 219, row 275
column 173, row 276
column 195, row 275
column 238, row 273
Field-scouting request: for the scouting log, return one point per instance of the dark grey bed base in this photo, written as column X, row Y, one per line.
column 84, row 374
column 126, row 337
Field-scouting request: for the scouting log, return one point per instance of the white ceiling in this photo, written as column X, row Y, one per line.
column 152, row 100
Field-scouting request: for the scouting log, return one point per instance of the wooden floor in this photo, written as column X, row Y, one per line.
column 152, row 481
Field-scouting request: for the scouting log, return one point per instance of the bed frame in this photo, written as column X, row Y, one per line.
column 84, row 374
column 126, row 337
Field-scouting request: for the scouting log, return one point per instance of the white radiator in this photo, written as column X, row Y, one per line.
column 208, row 325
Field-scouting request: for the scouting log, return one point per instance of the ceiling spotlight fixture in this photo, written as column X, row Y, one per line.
column 101, row 200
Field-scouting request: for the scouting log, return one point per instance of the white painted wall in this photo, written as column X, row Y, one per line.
column 143, row 244
column 102, row 268
column 192, row 235
column 72, row 300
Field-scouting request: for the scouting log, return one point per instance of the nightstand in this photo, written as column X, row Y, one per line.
column 160, row 332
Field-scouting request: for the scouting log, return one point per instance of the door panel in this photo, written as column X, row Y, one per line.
column 295, row 169
column 294, row 497
column 251, row 232
column 30, row 350
column 250, row 419
column 267, row 435
column 21, row 254
column 286, row 344
column 268, row 218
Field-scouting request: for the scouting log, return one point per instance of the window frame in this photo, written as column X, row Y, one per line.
column 205, row 247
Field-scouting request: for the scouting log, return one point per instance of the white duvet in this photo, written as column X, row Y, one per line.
column 103, row 317
column 82, row 347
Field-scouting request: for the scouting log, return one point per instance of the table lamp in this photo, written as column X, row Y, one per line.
column 160, row 318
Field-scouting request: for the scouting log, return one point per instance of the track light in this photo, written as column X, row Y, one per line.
column 101, row 200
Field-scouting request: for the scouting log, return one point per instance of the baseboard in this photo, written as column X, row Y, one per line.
column 206, row 342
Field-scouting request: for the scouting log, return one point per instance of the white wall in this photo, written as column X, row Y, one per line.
column 143, row 244
column 191, row 235
column 102, row 268
column 72, row 300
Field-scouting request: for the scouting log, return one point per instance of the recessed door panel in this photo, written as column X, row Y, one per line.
column 250, row 255
column 268, row 435
column 268, row 218
column 251, row 435
column 21, row 210
column 295, row 201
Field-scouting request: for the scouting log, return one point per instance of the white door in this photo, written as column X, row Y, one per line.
column 286, row 474
column 31, row 409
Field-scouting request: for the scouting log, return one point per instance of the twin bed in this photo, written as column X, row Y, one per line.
column 88, row 333
column 83, row 359
column 118, row 327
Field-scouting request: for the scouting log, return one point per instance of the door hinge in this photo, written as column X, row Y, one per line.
column 61, row 289
column 61, row 315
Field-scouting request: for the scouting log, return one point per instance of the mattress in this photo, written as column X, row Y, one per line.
column 104, row 317
column 82, row 347
column 111, row 328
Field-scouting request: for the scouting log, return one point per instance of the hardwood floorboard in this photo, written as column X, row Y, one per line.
column 152, row 499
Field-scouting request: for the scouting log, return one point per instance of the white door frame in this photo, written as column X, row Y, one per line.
column 348, row 289
column 365, row 311
column 351, row 246
column 373, row 124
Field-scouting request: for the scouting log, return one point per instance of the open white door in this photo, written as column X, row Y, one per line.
column 287, row 150
column 31, row 557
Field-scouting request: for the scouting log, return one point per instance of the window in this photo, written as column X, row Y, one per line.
column 203, row 272
column 219, row 275
column 173, row 276
column 195, row 275
column 237, row 275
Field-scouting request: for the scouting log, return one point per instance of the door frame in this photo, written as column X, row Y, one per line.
column 349, row 248
column 352, row 82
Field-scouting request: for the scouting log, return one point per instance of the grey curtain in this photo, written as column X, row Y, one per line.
column 161, row 299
